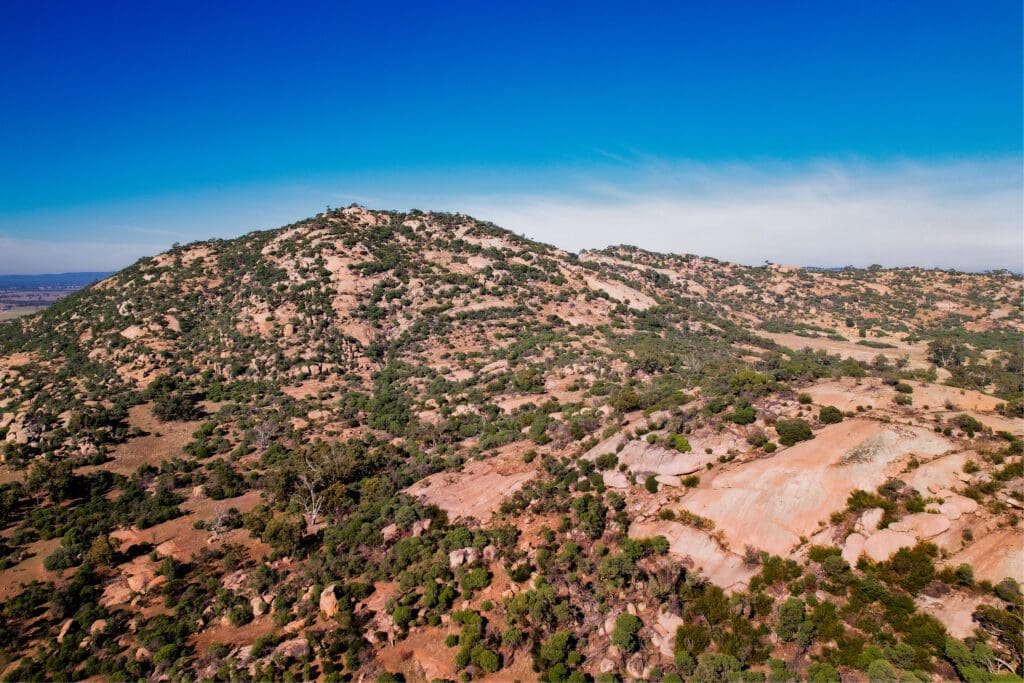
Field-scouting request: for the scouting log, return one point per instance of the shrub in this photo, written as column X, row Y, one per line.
column 830, row 415
column 792, row 431
column 742, row 416
column 680, row 443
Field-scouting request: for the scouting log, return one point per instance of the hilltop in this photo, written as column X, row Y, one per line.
column 374, row 443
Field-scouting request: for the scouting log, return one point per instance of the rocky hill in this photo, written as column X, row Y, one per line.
column 379, row 445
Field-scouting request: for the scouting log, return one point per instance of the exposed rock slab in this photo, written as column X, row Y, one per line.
column 923, row 525
column 772, row 503
column 994, row 557
column 722, row 567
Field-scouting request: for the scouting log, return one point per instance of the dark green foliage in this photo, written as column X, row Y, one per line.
column 792, row 431
column 830, row 415
column 624, row 635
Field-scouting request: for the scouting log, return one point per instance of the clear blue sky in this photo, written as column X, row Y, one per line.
column 109, row 108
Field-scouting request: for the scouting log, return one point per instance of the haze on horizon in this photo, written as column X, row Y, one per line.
column 847, row 133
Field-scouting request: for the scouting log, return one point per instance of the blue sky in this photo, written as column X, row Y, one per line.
column 128, row 126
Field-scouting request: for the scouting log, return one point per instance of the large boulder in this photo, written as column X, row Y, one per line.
column 329, row 601
column 883, row 544
column 296, row 648
column 457, row 558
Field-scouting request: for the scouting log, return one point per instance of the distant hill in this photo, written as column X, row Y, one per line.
column 51, row 280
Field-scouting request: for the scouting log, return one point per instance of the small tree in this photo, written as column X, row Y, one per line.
column 624, row 636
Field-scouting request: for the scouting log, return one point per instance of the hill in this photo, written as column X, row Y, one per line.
column 344, row 446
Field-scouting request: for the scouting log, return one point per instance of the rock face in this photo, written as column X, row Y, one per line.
column 938, row 474
column 329, row 601
column 954, row 611
column 771, row 503
column 722, row 567
column 477, row 490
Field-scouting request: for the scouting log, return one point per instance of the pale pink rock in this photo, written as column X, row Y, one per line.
column 922, row 524
column 870, row 519
column 955, row 506
column 883, row 544
column 853, row 548
column 329, row 601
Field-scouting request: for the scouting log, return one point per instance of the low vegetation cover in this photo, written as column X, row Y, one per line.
column 383, row 446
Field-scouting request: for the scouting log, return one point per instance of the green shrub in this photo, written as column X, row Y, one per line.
column 830, row 415
column 792, row 431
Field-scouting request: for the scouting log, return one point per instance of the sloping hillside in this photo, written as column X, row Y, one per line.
column 376, row 443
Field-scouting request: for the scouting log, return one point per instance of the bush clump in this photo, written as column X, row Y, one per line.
column 792, row 431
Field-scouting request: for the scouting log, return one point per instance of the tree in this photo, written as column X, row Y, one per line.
column 947, row 352
column 283, row 534
column 881, row 671
column 310, row 494
column 791, row 618
column 624, row 635
column 714, row 668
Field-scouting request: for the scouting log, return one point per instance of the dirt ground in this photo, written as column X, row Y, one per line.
column 165, row 440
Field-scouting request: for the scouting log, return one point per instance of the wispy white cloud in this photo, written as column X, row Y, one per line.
column 960, row 214
column 965, row 215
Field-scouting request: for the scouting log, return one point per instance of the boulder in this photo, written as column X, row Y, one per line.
column 922, row 524
column 457, row 558
column 635, row 666
column 616, row 480
column 296, row 648
column 140, row 578
column 64, row 628
column 389, row 533
column 869, row 520
column 883, row 544
column 955, row 506
column 853, row 548
column 329, row 601
column 259, row 608
column 669, row 480
column 420, row 526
